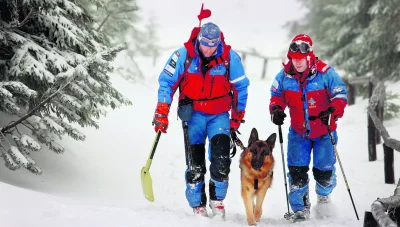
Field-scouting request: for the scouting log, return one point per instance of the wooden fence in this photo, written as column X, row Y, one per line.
column 376, row 130
column 254, row 53
column 385, row 211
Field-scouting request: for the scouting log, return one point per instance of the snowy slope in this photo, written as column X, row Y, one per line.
column 97, row 182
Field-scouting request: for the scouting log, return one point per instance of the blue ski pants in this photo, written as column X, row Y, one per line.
column 298, row 160
column 216, row 129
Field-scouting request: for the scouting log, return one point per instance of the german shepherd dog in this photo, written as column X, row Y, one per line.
column 256, row 164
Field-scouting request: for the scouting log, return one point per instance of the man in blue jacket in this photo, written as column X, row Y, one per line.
column 210, row 76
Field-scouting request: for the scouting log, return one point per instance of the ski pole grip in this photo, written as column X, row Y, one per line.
column 329, row 120
column 280, row 134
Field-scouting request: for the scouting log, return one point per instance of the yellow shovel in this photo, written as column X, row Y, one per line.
column 147, row 184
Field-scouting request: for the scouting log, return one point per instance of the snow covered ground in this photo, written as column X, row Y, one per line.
column 97, row 182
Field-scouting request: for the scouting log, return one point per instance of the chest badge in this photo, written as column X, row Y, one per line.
column 312, row 103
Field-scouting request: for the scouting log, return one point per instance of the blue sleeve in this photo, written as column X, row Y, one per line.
column 238, row 79
column 276, row 87
column 336, row 86
column 169, row 77
column 276, row 91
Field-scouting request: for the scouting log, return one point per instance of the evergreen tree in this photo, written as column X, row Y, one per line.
column 379, row 45
column 54, row 72
column 120, row 22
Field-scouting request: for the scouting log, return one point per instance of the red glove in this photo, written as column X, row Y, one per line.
column 236, row 119
column 160, row 120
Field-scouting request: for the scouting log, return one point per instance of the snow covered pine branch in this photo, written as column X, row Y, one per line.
column 54, row 71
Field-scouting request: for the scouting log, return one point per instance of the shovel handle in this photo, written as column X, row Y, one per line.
column 153, row 149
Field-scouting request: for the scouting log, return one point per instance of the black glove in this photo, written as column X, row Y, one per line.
column 277, row 116
column 324, row 115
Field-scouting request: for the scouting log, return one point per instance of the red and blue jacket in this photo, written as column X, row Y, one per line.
column 317, row 93
column 215, row 92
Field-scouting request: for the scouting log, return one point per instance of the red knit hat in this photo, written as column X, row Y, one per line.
column 298, row 39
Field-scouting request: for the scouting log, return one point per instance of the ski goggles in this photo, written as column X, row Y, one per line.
column 208, row 42
column 301, row 46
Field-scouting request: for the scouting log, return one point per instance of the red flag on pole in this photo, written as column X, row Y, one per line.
column 204, row 13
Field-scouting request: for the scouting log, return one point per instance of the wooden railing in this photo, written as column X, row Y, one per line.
column 376, row 130
column 387, row 210
column 254, row 53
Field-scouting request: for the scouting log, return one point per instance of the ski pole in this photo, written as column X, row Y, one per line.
column 288, row 215
column 340, row 164
column 188, row 152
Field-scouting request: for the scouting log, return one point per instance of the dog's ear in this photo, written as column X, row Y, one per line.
column 253, row 136
column 271, row 141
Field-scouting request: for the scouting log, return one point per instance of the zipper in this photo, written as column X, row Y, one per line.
column 212, row 83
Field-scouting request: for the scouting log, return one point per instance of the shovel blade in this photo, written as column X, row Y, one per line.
column 147, row 184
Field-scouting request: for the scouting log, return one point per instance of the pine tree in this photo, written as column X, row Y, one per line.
column 55, row 72
column 120, row 22
column 379, row 46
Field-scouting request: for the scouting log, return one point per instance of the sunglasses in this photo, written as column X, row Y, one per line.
column 301, row 46
column 210, row 42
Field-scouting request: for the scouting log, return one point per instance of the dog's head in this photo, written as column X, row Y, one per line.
column 261, row 151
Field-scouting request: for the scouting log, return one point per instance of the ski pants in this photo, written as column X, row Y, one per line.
column 216, row 128
column 298, row 160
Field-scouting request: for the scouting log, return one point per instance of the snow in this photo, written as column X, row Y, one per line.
column 97, row 182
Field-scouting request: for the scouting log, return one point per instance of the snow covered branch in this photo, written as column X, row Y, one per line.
column 380, row 206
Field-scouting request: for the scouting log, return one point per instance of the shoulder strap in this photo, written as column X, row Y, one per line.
column 188, row 61
column 227, row 67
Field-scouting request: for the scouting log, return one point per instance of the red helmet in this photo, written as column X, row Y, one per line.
column 300, row 47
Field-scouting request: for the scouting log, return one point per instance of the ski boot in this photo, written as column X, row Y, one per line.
column 321, row 199
column 301, row 215
column 218, row 209
column 200, row 211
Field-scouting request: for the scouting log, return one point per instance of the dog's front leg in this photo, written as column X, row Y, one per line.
column 260, row 195
column 248, row 198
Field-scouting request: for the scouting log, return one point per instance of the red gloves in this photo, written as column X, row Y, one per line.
column 236, row 119
column 160, row 120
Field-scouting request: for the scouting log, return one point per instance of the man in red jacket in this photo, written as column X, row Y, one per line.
column 210, row 75
column 308, row 87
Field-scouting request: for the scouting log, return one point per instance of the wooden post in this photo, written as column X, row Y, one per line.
column 351, row 92
column 379, row 114
column 369, row 220
column 388, row 164
column 371, row 131
column 264, row 70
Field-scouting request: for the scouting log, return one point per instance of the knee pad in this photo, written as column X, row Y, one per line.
column 299, row 176
column 196, row 173
column 323, row 177
column 220, row 160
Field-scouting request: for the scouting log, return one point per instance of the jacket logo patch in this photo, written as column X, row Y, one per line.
column 312, row 103
column 175, row 57
column 169, row 70
column 337, row 89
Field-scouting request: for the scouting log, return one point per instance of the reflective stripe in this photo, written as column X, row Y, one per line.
column 339, row 96
column 237, row 79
